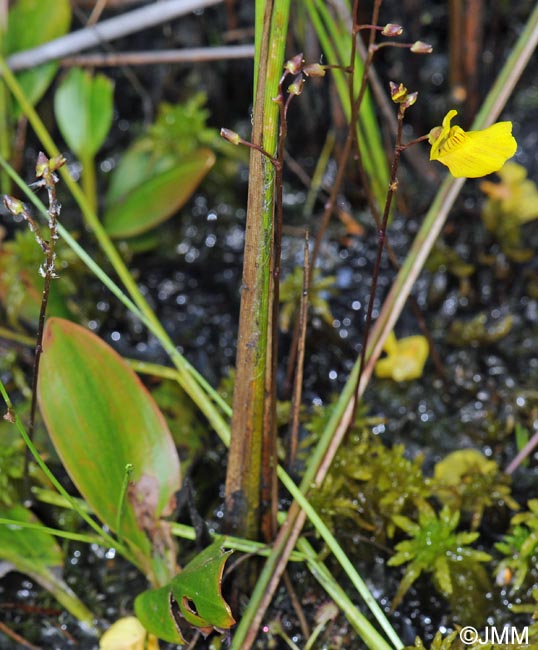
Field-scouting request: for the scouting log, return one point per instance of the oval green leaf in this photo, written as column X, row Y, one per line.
column 157, row 198
column 84, row 106
column 102, row 419
column 32, row 23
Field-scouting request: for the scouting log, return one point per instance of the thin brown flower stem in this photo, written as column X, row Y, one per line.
column 354, row 31
column 301, row 346
column 17, row 638
column 350, row 140
column 49, row 274
column 417, row 312
column 296, row 604
column 355, row 106
column 522, row 455
column 381, row 234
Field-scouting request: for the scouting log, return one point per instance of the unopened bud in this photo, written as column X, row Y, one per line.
column 391, row 30
column 314, row 70
column 410, row 99
column 231, row 136
column 419, row 47
column 42, row 165
column 57, row 162
column 295, row 64
column 13, row 205
column 398, row 92
column 400, row 95
column 296, row 87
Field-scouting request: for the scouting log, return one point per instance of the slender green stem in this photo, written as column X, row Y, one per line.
column 16, row 337
column 360, row 623
column 247, row 445
column 57, row 532
column 123, row 493
column 89, row 181
column 342, row 559
column 188, row 381
column 50, row 476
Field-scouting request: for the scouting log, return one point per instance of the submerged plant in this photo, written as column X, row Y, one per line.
column 520, row 546
column 435, row 547
column 371, row 484
column 439, row 642
column 466, row 480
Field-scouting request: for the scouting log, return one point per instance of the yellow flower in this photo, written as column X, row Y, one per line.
column 405, row 358
column 472, row 154
column 128, row 634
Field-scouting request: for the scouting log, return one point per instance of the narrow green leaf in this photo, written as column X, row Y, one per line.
column 35, row 552
column 101, row 418
column 32, row 23
column 157, row 197
column 84, row 105
column 27, row 548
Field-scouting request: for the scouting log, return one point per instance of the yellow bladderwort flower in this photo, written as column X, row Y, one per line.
column 405, row 358
column 472, row 154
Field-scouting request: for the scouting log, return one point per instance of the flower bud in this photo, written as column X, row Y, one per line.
column 13, row 205
column 419, row 47
column 400, row 95
column 397, row 92
column 296, row 87
column 391, row 30
column 314, row 70
column 410, row 99
column 57, row 162
column 295, row 64
column 231, row 136
column 42, row 165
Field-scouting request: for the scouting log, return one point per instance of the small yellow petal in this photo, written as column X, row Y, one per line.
column 127, row 634
column 474, row 153
column 439, row 134
column 391, row 344
column 405, row 358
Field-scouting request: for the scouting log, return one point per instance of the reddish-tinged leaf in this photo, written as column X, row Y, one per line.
column 101, row 418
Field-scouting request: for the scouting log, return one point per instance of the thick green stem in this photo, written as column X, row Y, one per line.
column 243, row 479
